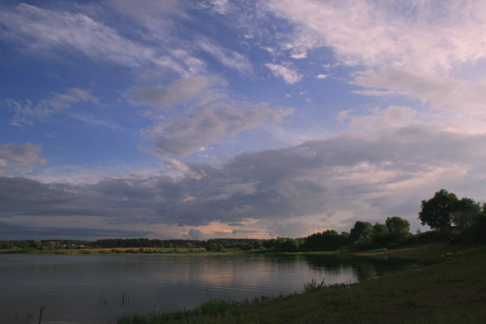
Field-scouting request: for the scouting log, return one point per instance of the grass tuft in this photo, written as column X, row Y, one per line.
column 314, row 286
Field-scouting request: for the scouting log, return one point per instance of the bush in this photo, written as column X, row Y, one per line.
column 433, row 237
column 474, row 232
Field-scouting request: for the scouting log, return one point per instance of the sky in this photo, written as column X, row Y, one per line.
column 235, row 119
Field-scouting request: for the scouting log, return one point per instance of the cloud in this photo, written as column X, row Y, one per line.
column 208, row 115
column 26, row 111
column 295, row 229
column 57, row 29
column 431, row 36
column 77, row 29
column 185, row 135
column 220, row 6
column 340, row 179
column 180, row 91
column 227, row 57
column 441, row 92
column 19, row 157
column 290, row 76
column 18, row 232
column 91, row 120
column 196, row 234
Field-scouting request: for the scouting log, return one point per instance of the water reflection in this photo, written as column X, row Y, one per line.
column 364, row 267
column 96, row 289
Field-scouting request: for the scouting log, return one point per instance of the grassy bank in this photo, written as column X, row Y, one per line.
column 453, row 290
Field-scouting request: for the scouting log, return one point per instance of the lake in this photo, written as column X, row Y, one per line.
column 100, row 288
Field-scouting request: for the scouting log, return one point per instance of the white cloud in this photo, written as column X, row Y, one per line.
column 220, row 6
column 227, row 57
column 422, row 36
column 185, row 135
column 299, row 55
column 56, row 30
column 290, row 76
column 26, row 111
column 91, row 120
column 321, row 76
column 441, row 92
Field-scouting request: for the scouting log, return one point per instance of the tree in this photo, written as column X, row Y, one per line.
column 380, row 230
column 466, row 211
column 358, row 228
column 397, row 225
column 436, row 211
column 36, row 245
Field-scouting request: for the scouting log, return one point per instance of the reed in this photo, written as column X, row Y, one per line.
column 313, row 285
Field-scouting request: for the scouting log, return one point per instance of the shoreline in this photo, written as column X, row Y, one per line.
column 451, row 289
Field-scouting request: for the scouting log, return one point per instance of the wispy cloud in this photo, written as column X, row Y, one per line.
column 26, row 111
column 227, row 57
column 177, row 92
column 431, row 36
column 442, row 92
column 185, row 135
column 91, row 120
column 289, row 75
column 77, row 30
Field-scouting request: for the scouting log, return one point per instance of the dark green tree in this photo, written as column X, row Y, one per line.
column 397, row 225
column 436, row 211
column 358, row 228
column 466, row 211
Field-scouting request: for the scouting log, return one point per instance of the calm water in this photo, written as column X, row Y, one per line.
column 100, row 288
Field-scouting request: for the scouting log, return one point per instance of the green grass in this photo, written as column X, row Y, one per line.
column 452, row 290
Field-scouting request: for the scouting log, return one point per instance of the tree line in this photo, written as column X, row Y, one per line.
column 446, row 214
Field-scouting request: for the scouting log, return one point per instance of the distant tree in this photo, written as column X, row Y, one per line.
column 268, row 244
column 380, row 230
column 257, row 244
column 289, row 244
column 466, row 211
column 436, row 211
column 331, row 240
column 36, row 245
column 215, row 247
column 397, row 225
column 51, row 245
column 358, row 228
column 219, row 247
column 381, row 235
column 345, row 235
column 212, row 247
column 365, row 238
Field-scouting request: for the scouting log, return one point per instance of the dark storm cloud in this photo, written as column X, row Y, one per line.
column 280, row 183
column 16, row 232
